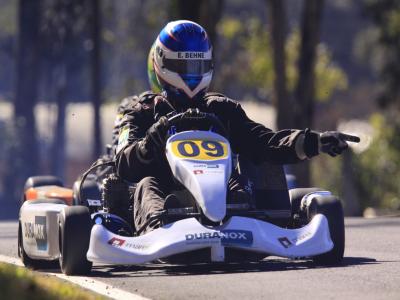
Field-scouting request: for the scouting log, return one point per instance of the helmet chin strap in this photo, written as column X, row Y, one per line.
column 180, row 101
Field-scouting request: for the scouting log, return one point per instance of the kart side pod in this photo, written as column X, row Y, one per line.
column 39, row 229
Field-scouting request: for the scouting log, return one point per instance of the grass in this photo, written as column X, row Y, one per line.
column 18, row 283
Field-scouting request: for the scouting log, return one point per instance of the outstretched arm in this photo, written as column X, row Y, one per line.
column 286, row 146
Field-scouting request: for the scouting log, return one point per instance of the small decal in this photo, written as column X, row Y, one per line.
column 136, row 246
column 201, row 166
column 116, row 242
column 123, row 138
column 285, row 242
column 92, row 202
column 191, row 55
column 118, row 119
column 37, row 231
column 172, row 130
column 212, row 166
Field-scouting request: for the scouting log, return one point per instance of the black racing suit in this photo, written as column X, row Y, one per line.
column 247, row 138
column 123, row 107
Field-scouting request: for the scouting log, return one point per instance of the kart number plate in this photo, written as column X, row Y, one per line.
column 200, row 149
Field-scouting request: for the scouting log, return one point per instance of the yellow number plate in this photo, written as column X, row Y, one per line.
column 200, row 149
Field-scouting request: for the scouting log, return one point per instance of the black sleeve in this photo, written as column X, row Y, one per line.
column 121, row 110
column 260, row 144
column 130, row 165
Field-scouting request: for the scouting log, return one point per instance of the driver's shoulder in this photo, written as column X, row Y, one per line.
column 213, row 99
column 141, row 102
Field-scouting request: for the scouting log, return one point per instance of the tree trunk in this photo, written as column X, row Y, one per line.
column 305, row 90
column 205, row 12
column 282, row 100
column 25, row 160
column 59, row 145
column 96, row 77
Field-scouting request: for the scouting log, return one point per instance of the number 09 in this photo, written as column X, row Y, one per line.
column 201, row 149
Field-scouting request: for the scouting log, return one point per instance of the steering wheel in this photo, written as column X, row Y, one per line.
column 196, row 116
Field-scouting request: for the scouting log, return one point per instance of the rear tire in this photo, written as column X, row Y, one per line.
column 332, row 209
column 75, row 228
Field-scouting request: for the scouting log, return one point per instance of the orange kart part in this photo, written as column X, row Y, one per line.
column 49, row 192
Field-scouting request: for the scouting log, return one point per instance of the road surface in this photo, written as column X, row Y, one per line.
column 371, row 270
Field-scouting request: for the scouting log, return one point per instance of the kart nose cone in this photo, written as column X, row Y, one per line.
column 216, row 213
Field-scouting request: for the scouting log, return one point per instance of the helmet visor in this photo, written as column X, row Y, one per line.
column 190, row 66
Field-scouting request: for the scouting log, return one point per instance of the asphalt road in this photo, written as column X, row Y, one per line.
column 371, row 270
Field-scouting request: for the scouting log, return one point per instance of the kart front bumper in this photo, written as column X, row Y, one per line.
column 188, row 234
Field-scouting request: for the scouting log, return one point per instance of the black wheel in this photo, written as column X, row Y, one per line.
column 297, row 194
column 75, row 227
column 332, row 209
column 36, row 181
column 33, row 263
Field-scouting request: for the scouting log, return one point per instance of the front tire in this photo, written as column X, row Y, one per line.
column 297, row 194
column 332, row 209
column 75, row 228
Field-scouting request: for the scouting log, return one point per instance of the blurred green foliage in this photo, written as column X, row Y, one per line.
column 20, row 283
column 8, row 12
column 385, row 15
column 7, row 142
column 375, row 171
column 378, row 168
column 326, row 173
column 256, row 58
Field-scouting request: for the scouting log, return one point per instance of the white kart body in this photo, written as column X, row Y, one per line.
column 188, row 234
column 39, row 226
column 202, row 162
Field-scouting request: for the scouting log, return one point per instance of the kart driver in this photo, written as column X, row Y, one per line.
column 183, row 65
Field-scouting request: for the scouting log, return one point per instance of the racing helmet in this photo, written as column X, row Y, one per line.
column 183, row 60
column 153, row 81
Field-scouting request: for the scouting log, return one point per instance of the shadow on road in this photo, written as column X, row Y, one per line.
column 268, row 265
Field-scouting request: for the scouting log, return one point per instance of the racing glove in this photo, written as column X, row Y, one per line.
column 334, row 142
column 330, row 142
column 154, row 141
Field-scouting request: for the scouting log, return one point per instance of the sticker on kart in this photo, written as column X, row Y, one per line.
column 37, row 231
column 200, row 149
column 121, row 243
column 226, row 237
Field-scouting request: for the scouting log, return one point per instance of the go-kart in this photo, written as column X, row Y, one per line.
column 92, row 223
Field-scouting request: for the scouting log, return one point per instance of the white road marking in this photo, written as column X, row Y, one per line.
column 85, row 282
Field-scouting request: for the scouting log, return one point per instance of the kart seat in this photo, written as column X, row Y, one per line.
column 270, row 188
